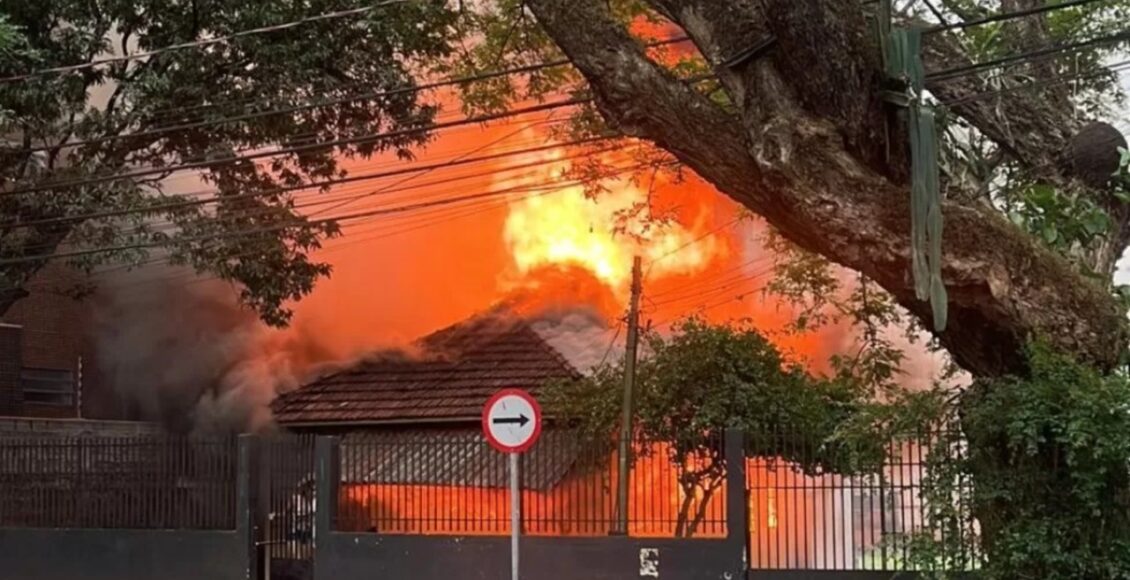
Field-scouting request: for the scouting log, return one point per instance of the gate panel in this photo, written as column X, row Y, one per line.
column 287, row 507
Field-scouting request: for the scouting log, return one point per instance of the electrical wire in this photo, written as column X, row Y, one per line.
column 429, row 221
column 200, row 43
column 454, row 81
column 172, row 206
column 1029, row 56
column 355, row 140
column 372, row 193
column 1003, row 16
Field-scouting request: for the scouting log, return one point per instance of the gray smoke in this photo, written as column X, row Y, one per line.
column 580, row 335
column 182, row 351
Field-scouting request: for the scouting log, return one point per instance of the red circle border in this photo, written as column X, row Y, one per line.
column 537, row 420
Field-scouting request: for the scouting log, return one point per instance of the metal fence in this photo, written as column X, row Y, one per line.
column 423, row 482
column 140, row 483
column 804, row 515
column 286, row 476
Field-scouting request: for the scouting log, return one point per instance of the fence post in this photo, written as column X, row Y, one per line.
column 247, row 490
column 737, row 514
column 327, row 480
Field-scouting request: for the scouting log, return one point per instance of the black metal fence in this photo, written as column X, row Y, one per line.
column 802, row 512
column 139, row 483
column 424, row 482
column 286, row 477
column 805, row 514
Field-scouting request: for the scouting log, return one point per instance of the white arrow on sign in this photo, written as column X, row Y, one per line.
column 512, row 420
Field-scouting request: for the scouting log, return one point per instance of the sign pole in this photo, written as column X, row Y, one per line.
column 515, row 515
column 511, row 424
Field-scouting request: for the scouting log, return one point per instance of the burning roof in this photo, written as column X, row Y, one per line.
column 447, row 377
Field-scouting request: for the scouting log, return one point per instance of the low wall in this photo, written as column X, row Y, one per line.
column 38, row 554
column 374, row 556
column 132, row 554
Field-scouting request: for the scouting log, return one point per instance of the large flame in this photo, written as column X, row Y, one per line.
column 602, row 233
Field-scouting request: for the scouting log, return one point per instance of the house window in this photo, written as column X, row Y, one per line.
column 48, row 386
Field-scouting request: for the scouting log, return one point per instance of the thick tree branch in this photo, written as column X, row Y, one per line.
column 799, row 165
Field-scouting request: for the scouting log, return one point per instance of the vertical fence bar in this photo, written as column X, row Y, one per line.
column 327, row 482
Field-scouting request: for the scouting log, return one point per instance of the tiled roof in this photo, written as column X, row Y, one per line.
column 448, row 378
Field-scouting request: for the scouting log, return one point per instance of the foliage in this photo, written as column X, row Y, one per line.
column 1064, row 221
column 220, row 99
column 818, row 292
column 705, row 378
column 1046, row 455
column 1085, row 78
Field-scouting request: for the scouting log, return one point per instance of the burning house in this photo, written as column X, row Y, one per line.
column 413, row 460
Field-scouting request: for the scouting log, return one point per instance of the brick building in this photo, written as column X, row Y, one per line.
column 47, row 353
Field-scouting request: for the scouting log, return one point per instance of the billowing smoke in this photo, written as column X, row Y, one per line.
column 181, row 350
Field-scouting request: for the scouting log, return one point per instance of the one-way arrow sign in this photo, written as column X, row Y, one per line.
column 511, row 421
column 521, row 420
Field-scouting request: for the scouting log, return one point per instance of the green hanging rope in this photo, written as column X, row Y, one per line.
column 904, row 62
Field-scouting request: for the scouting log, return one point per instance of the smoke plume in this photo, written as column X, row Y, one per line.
column 182, row 351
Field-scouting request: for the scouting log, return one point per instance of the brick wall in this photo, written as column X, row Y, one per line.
column 56, row 337
column 11, row 394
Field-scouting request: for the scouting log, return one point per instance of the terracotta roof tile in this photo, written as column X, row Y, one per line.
column 455, row 372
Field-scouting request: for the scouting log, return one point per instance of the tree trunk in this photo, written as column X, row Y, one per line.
column 683, row 518
column 804, row 147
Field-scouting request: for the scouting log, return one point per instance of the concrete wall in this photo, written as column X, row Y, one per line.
column 373, row 557
column 108, row 554
column 121, row 555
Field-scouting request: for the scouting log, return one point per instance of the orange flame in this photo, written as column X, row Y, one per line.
column 602, row 233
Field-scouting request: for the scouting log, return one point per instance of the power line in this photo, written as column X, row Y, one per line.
column 1000, row 17
column 253, row 231
column 161, row 130
column 1042, row 83
column 268, row 210
column 546, row 188
column 458, row 158
column 651, row 263
column 964, row 70
column 280, row 227
column 200, row 43
column 370, row 137
column 160, row 208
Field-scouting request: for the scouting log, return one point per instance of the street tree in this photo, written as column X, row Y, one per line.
column 94, row 144
column 700, row 379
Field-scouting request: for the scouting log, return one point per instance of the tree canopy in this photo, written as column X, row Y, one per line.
column 702, row 379
column 90, row 154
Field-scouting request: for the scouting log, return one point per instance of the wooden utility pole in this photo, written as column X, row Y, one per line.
column 625, row 449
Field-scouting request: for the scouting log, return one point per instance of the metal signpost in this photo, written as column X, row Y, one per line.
column 512, row 423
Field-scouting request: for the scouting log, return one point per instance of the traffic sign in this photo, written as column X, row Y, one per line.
column 512, row 421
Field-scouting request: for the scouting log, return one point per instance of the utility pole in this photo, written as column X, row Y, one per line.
column 625, row 449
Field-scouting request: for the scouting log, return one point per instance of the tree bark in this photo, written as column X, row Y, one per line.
column 803, row 147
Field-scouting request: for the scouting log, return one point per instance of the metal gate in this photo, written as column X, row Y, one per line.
column 286, row 507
